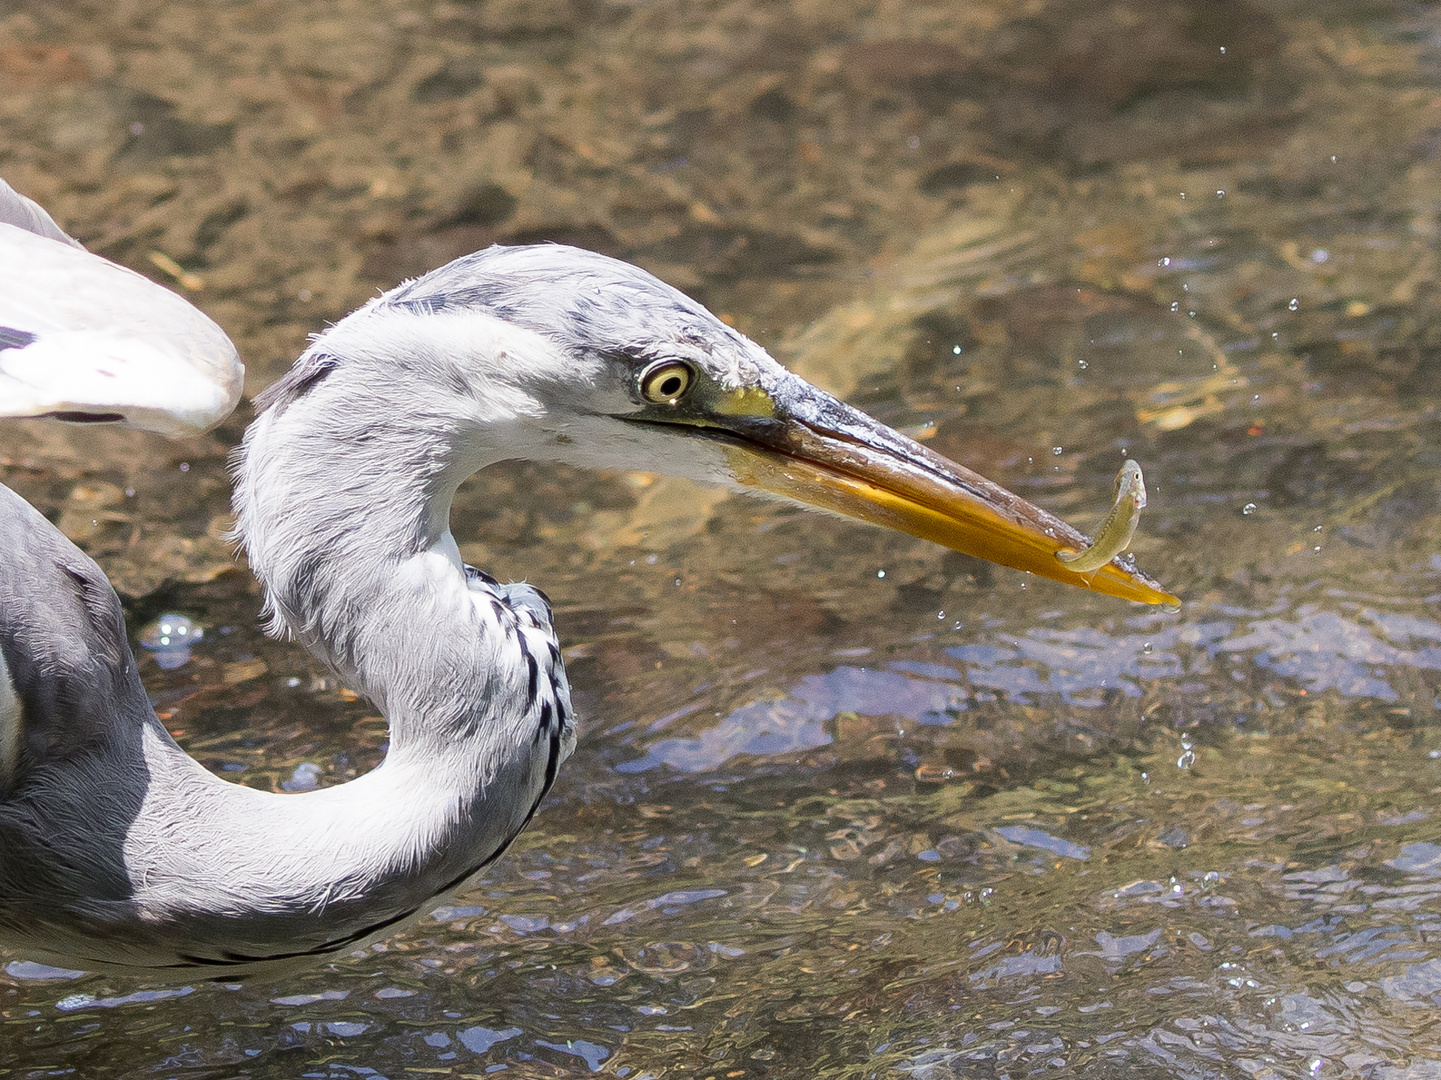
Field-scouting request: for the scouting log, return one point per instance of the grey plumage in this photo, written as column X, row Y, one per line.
column 342, row 499
column 343, row 488
column 117, row 849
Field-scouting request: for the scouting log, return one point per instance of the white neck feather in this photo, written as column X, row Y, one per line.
column 343, row 494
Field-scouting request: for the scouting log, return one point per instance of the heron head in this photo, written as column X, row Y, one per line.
column 571, row 356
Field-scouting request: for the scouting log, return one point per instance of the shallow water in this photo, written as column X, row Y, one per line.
column 844, row 804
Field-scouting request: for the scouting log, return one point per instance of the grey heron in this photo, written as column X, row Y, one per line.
column 117, row 849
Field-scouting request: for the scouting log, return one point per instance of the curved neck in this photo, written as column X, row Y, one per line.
column 255, row 878
column 343, row 493
column 342, row 499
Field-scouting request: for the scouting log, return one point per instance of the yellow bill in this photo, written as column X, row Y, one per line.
column 815, row 449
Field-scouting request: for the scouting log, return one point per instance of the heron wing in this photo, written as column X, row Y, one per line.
column 70, row 677
column 83, row 338
column 27, row 214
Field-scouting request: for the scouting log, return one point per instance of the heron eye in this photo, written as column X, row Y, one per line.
column 663, row 383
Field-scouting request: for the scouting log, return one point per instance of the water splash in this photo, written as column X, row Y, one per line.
column 1188, row 754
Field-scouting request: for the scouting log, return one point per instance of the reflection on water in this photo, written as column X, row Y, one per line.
column 169, row 639
column 844, row 805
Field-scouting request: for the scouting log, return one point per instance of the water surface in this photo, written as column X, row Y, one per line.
column 844, row 805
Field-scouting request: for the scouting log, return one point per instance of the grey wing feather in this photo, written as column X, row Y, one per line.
column 71, row 675
column 27, row 214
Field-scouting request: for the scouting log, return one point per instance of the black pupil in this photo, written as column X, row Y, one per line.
column 671, row 385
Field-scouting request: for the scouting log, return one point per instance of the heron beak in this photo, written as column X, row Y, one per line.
column 808, row 446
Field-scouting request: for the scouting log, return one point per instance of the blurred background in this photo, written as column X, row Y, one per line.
column 845, row 805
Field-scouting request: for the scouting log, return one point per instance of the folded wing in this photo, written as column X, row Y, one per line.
column 87, row 340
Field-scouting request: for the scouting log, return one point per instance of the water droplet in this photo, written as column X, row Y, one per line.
column 940, row 615
column 1083, row 364
column 1166, row 261
column 1057, row 450
column 1223, row 50
column 1147, row 649
column 956, row 351
column 1175, row 305
column 880, row 573
column 1188, row 754
column 1220, row 194
column 169, row 638
column 1248, row 509
column 1294, row 305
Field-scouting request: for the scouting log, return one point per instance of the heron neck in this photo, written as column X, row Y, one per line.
column 343, row 508
column 316, row 871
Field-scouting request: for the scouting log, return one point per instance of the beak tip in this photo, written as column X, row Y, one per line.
column 1168, row 602
column 1136, row 586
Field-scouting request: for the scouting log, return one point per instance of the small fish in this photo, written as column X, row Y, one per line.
column 1114, row 535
